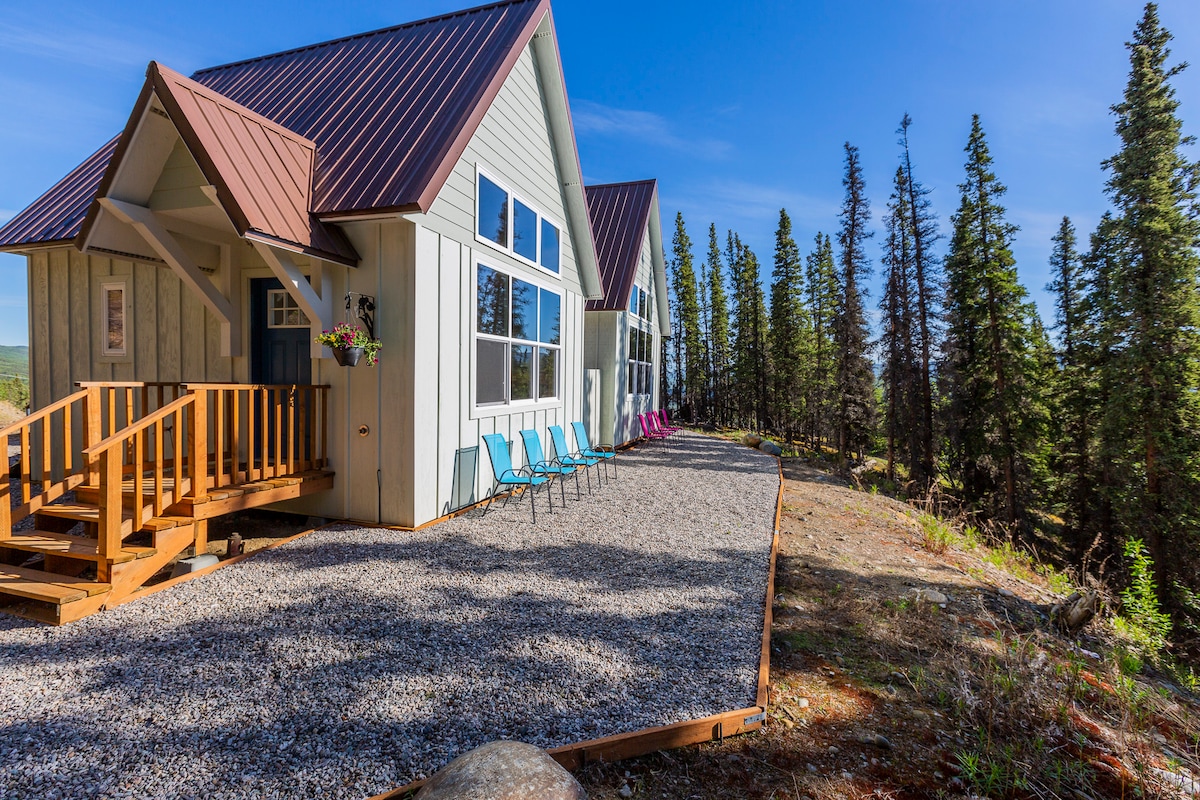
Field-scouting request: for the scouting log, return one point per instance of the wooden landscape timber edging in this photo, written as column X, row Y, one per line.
column 679, row 734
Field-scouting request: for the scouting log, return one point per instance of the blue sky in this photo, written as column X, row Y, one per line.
column 738, row 109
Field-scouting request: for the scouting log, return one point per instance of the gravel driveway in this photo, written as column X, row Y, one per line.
column 355, row 660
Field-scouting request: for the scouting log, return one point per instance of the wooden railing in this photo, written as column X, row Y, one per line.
column 39, row 433
column 166, row 442
column 259, row 432
column 126, row 451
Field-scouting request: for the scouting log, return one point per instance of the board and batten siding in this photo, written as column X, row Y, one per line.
column 513, row 144
column 170, row 335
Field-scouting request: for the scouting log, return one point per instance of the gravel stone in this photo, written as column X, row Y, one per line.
column 354, row 660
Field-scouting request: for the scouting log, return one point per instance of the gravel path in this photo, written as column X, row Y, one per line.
column 355, row 660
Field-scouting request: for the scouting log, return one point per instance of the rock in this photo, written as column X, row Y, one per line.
column 767, row 446
column 1076, row 611
column 877, row 739
column 1006, row 592
column 502, row 771
column 625, row 791
column 931, row 596
column 752, row 439
column 802, row 702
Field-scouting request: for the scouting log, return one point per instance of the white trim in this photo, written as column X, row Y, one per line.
column 508, row 249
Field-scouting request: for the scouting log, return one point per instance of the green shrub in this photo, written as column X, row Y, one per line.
column 1142, row 620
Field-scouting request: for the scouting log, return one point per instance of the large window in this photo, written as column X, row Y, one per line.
column 640, row 373
column 517, row 339
column 511, row 224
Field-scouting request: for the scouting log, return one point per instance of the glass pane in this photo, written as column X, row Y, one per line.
column 524, row 230
column 632, row 354
column 633, row 301
column 115, row 307
column 524, row 311
column 549, row 246
column 293, row 317
column 630, row 379
column 643, row 305
column 547, row 372
column 522, row 372
column 493, row 212
column 550, row 319
column 645, row 379
column 277, row 299
column 491, row 308
column 490, row 358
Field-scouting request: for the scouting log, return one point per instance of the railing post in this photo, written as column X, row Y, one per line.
column 198, row 439
column 109, row 536
column 93, row 431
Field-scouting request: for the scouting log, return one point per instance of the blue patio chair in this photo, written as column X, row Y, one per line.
column 508, row 476
column 567, row 456
column 604, row 451
column 550, row 468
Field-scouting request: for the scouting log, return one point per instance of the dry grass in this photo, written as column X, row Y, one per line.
column 980, row 698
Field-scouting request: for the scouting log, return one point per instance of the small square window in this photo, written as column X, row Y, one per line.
column 283, row 311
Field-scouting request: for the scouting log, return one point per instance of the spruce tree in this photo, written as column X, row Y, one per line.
column 1157, row 325
column 750, row 337
column 1075, row 396
column 822, row 284
column 923, row 229
column 790, row 333
column 718, row 330
column 688, row 348
column 902, row 415
column 994, row 425
column 854, row 375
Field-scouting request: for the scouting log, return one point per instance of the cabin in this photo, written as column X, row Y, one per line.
column 624, row 329
column 420, row 181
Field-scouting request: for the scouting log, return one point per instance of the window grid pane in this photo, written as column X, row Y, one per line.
column 492, row 221
column 525, row 227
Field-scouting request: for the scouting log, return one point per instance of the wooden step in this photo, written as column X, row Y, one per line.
column 47, row 587
column 84, row 513
column 65, row 545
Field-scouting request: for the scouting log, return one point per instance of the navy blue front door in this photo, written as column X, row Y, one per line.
column 281, row 340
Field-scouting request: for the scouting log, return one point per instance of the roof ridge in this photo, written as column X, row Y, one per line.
column 363, row 35
column 619, row 183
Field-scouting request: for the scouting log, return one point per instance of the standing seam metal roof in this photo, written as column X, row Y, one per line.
column 387, row 110
column 620, row 214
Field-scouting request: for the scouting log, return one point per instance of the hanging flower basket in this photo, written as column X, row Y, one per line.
column 347, row 356
column 349, row 344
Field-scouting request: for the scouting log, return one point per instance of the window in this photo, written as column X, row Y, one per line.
column 113, row 335
column 498, row 212
column 639, row 302
column 640, row 373
column 517, row 339
column 283, row 311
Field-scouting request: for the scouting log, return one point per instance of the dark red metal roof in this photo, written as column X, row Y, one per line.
column 390, row 112
column 620, row 214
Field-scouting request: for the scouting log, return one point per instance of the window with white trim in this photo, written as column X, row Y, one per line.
column 283, row 311
column 509, row 223
column 640, row 372
column 113, row 334
column 639, row 302
column 518, row 340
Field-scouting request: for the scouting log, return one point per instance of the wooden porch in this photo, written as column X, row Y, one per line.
column 120, row 478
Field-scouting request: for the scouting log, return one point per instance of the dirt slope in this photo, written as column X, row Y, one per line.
column 900, row 673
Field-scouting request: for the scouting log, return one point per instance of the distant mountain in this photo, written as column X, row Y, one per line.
column 14, row 360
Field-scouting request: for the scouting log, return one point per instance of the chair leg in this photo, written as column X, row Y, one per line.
column 532, row 502
column 578, row 496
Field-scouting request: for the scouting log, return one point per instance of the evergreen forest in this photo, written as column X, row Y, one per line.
column 1077, row 436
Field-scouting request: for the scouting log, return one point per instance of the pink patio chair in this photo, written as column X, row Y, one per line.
column 664, row 422
column 650, row 429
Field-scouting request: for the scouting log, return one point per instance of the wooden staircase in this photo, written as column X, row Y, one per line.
column 157, row 461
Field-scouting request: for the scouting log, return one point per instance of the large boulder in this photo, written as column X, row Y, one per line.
column 502, row 771
column 752, row 439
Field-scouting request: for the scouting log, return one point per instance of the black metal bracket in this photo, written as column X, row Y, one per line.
column 365, row 310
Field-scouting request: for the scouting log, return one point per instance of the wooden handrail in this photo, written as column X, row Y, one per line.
column 141, row 425
column 41, row 414
column 190, row 386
